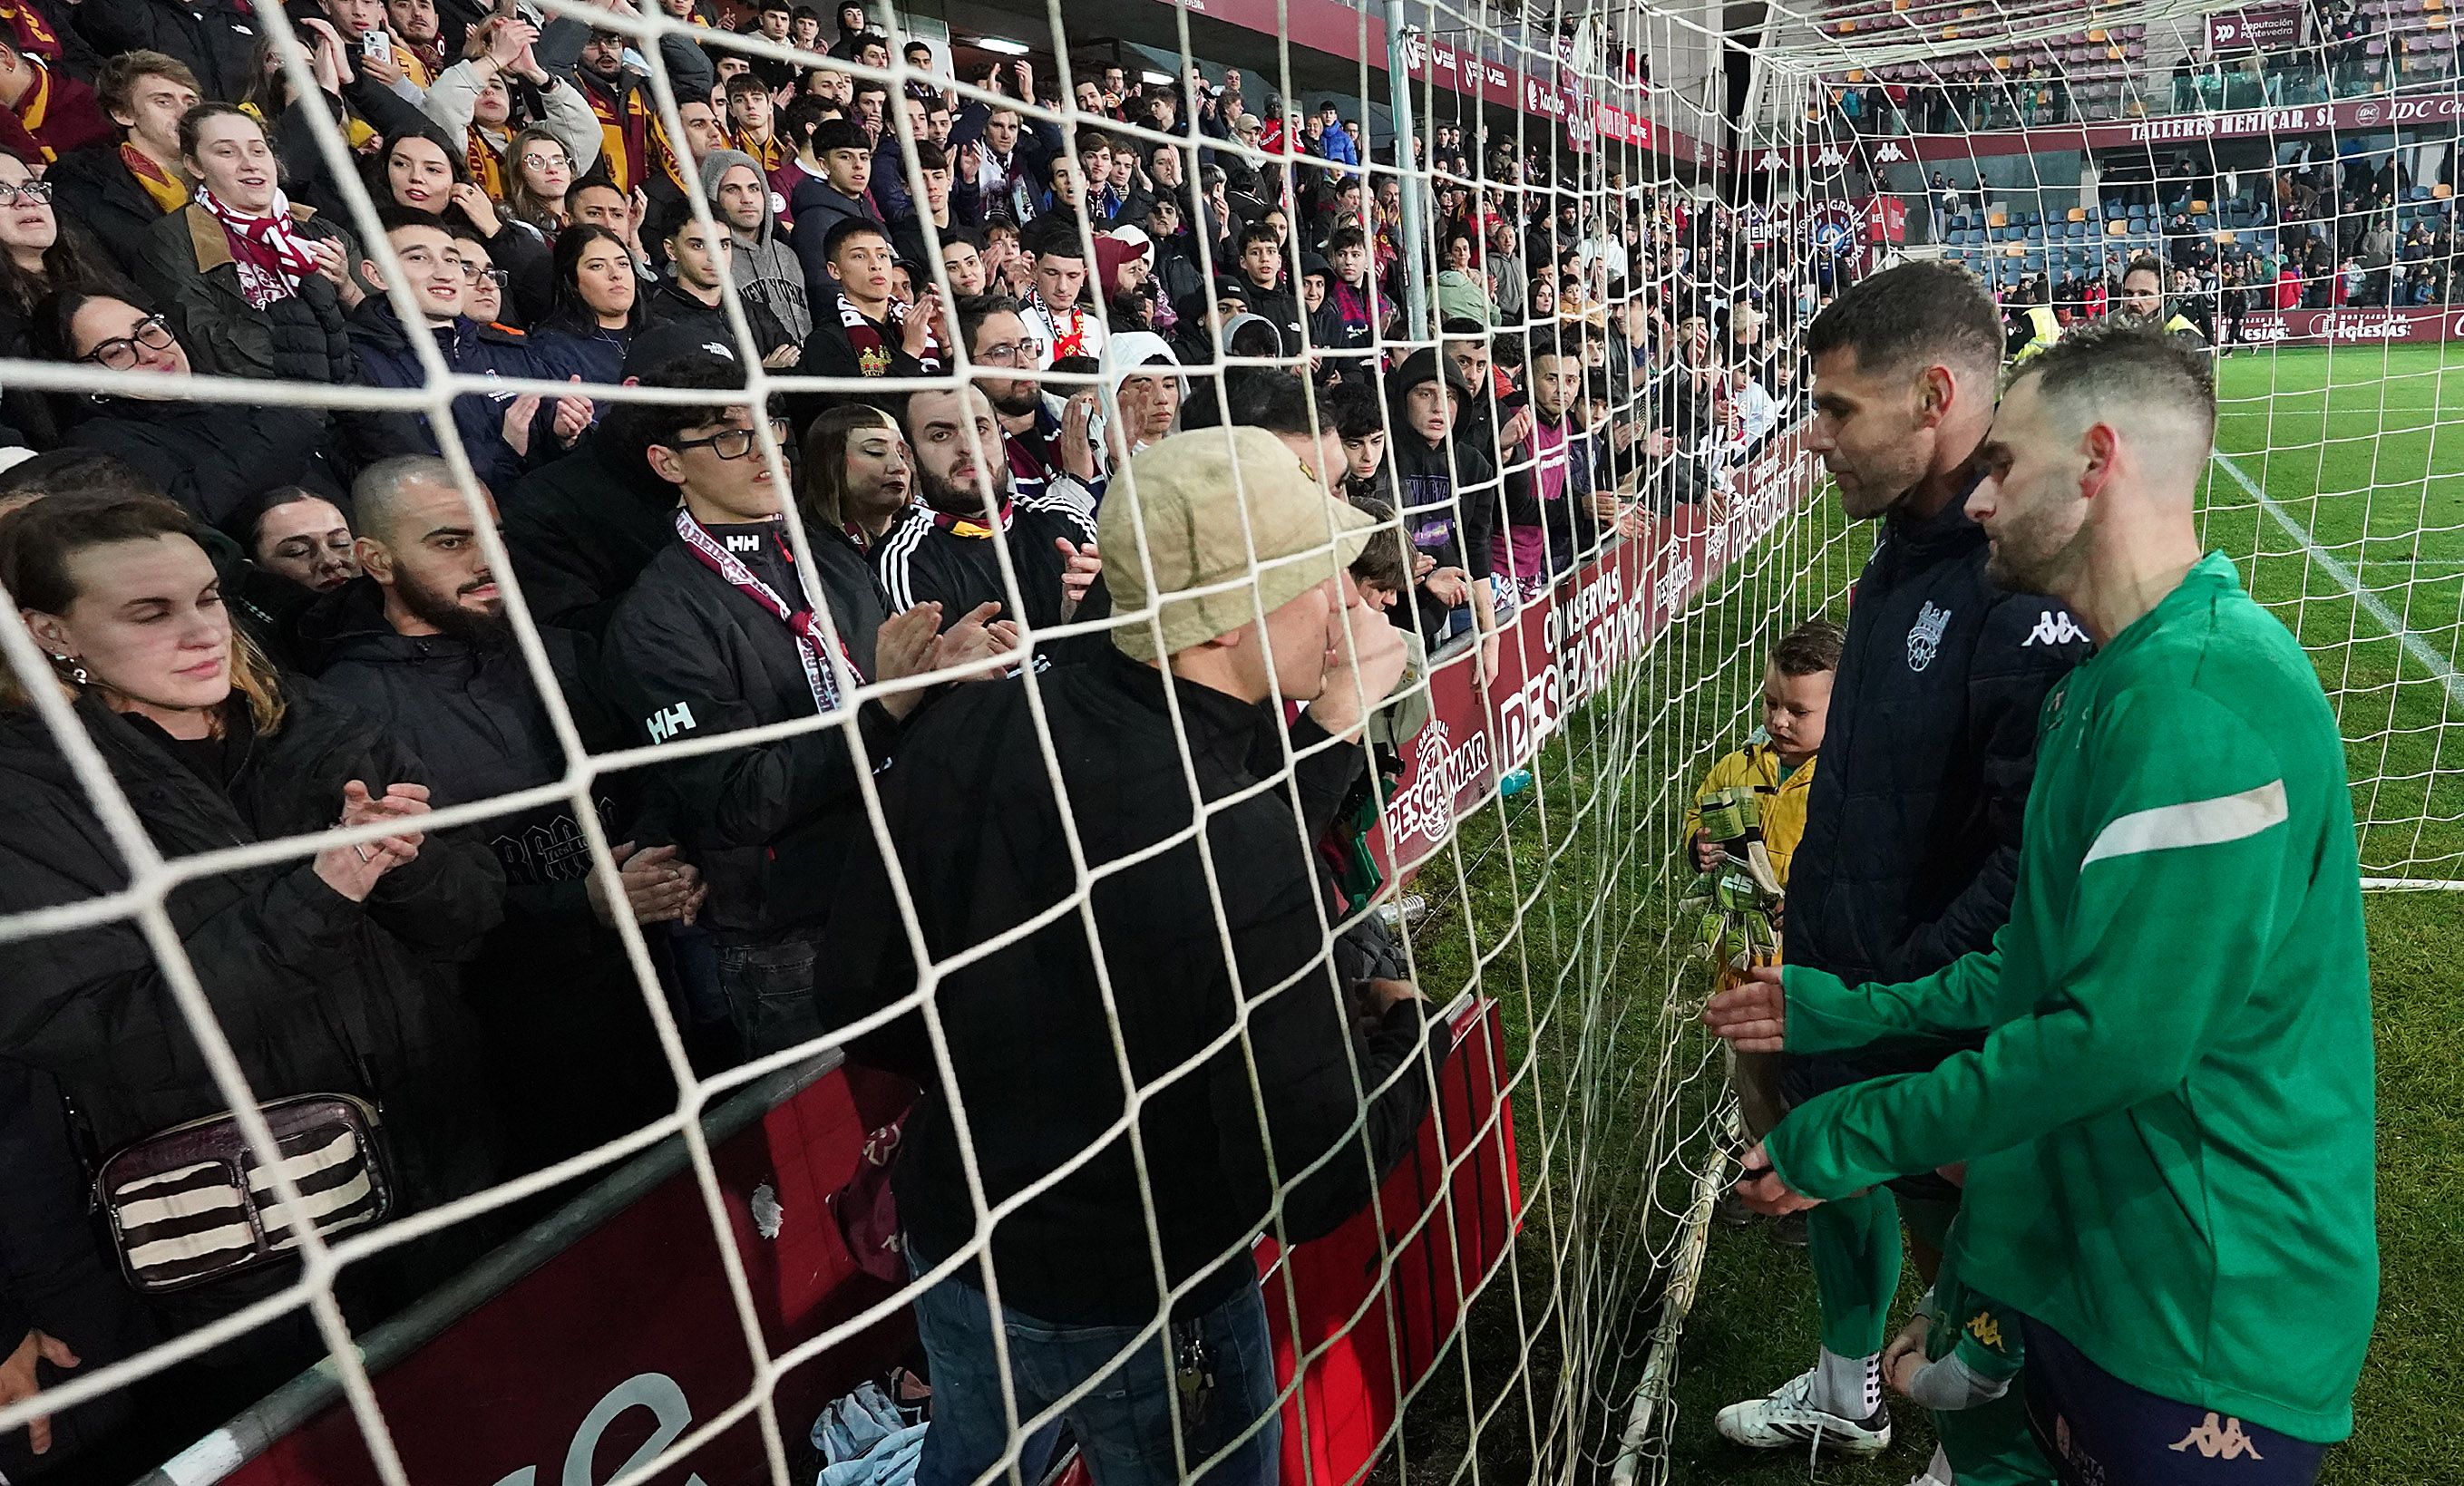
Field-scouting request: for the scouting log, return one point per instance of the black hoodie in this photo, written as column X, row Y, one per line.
column 581, row 529
column 574, row 1061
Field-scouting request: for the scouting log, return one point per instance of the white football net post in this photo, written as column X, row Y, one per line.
column 1554, row 897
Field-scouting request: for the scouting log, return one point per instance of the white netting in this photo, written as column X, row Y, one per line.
column 2256, row 156
column 692, row 1302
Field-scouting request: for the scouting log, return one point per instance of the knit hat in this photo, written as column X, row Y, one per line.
column 1191, row 491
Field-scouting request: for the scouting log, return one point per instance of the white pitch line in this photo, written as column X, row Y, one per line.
column 2438, row 665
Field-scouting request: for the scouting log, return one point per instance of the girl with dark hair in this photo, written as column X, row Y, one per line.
column 210, row 457
column 325, row 970
column 39, row 253
column 418, row 171
column 597, row 305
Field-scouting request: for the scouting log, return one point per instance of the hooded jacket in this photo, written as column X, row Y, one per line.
column 815, row 207
column 767, row 271
column 688, row 656
column 1449, row 492
column 317, row 995
column 572, row 1055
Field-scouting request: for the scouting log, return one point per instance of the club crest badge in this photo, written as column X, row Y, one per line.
column 1924, row 636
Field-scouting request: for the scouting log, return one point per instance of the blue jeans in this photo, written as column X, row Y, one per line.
column 1125, row 1424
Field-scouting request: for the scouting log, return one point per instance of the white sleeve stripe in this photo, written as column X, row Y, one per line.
column 2197, row 822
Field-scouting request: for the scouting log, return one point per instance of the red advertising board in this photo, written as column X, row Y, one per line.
column 2269, row 27
column 2351, row 326
column 1563, row 646
column 1378, row 1298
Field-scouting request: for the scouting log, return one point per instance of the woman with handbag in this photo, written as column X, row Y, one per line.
column 329, row 972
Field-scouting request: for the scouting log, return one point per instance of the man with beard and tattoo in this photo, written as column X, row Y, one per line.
column 1912, row 832
column 421, row 644
column 722, row 632
column 1047, row 441
column 945, row 554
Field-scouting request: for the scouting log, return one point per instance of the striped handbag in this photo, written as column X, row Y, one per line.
column 191, row 1203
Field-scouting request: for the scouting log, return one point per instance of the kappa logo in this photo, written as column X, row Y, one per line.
column 667, row 723
column 1890, row 155
column 1924, row 636
column 2219, row 1439
column 1987, row 1329
column 2054, row 628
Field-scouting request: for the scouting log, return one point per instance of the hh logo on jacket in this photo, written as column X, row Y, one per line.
column 666, row 724
column 1924, row 636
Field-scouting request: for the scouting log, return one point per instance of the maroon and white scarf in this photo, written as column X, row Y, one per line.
column 811, row 640
column 872, row 352
column 273, row 258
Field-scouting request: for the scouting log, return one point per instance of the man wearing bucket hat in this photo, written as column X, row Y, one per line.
column 1225, row 559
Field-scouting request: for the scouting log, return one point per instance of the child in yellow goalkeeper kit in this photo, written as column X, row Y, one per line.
column 1778, row 758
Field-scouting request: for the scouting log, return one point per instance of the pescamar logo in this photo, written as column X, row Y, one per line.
column 1442, row 772
column 1924, row 636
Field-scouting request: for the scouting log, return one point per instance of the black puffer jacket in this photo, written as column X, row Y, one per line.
column 688, row 656
column 316, row 993
column 573, row 1059
column 1911, row 842
column 216, row 38
column 187, row 265
column 210, row 457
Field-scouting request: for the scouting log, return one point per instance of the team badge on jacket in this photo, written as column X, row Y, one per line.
column 1924, row 636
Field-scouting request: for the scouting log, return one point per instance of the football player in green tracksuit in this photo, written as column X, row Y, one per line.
column 2169, row 1131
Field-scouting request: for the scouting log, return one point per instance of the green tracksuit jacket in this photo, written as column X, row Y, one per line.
column 2169, row 1129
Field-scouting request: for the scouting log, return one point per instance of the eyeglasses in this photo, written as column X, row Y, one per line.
column 36, row 192
column 543, row 162
column 473, row 273
column 731, row 443
column 119, row 352
column 1023, row 352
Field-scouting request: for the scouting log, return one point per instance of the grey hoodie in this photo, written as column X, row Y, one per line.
column 767, row 269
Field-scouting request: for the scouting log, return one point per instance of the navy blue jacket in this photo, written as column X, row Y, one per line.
column 1911, row 844
column 388, row 359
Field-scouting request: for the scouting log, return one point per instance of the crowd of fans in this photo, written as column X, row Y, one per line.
column 271, row 617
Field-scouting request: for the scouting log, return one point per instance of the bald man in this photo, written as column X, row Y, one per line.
column 421, row 644
column 2168, row 1132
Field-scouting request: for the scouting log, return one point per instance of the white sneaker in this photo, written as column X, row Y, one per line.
column 1787, row 1417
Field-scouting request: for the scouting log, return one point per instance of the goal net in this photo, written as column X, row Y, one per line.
column 2288, row 175
column 704, row 1293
